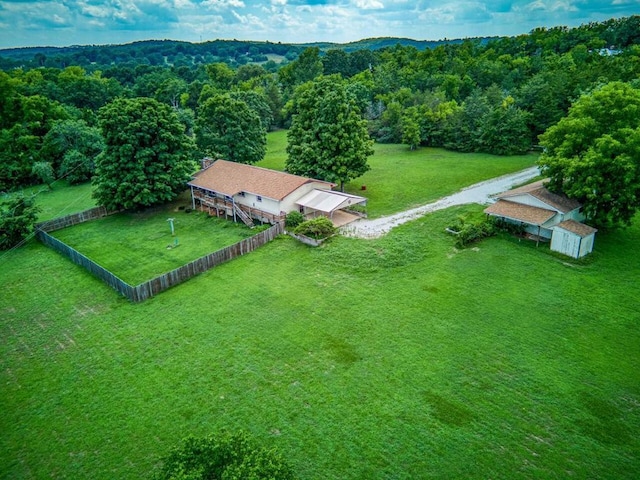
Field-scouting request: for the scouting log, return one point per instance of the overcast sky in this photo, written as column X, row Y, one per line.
column 85, row 22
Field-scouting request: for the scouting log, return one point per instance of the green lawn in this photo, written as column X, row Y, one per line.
column 399, row 357
column 139, row 246
column 401, row 178
column 61, row 199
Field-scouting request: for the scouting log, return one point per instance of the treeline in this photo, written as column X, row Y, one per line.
column 150, row 52
column 181, row 54
column 492, row 95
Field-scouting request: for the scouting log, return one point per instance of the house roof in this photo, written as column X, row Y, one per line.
column 230, row 178
column 329, row 201
column 578, row 228
column 537, row 190
column 520, row 212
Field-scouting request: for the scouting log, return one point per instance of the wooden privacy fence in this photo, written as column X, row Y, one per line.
column 76, row 257
column 158, row 284
column 73, row 219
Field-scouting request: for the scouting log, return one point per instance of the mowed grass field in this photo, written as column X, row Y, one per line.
column 398, row 358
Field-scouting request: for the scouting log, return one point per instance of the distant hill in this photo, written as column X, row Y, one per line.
column 385, row 42
column 177, row 53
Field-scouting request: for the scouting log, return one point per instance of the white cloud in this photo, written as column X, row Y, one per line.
column 247, row 19
column 551, row 6
column 222, row 4
column 369, row 4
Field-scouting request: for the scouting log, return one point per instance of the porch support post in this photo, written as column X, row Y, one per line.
column 233, row 203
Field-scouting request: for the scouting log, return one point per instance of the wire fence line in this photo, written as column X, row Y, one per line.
column 150, row 288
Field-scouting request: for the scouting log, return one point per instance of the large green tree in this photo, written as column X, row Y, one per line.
column 17, row 217
column 20, row 144
column 593, row 154
column 148, row 156
column 71, row 146
column 228, row 128
column 328, row 138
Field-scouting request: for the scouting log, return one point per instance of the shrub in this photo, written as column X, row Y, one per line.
column 17, row 217
column 293, row 219
column 469, row 232
column 320, row 227
column 44, row 172
column 509, row 227
column 225, row 456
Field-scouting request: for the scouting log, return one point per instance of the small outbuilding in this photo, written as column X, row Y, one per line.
column 546, row 215
column 573, row 238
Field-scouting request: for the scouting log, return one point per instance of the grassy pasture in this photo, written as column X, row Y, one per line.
column 401, row 178
column 61, row 199
column 399, row 357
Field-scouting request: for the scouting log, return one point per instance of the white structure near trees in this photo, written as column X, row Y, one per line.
column 573, row 238
column 250, row 193
column 546, row 215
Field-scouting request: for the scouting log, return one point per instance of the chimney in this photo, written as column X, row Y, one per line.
column 207, row 162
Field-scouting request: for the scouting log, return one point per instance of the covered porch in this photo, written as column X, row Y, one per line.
column 337, row 206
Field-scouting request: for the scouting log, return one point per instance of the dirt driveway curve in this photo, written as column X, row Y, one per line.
column 477, row 193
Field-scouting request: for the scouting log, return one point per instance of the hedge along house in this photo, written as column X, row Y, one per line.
column 546, row 215
column 255, row 193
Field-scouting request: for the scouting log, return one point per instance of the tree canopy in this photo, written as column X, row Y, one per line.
column 223, row 456
column 230, row 129
column 17, row 217
column 328, row 138
column 147, row 159
column 593, row 154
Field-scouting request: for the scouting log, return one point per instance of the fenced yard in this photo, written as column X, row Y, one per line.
column 131, row 258
column 139, row 246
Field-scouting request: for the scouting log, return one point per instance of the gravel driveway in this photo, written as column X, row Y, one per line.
column 477, row 193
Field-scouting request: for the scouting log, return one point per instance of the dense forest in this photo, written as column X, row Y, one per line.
column 494, row 95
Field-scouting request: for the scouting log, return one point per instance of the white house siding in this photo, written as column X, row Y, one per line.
column 268, row 205
column 565, row 242
column 275, row 207
column 532, row 229
column 288, row 203
column 576, row 215
column 526, row 199
column 586, row 246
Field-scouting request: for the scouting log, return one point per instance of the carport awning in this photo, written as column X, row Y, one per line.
column 328, row 201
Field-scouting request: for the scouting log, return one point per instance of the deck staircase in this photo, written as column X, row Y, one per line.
column 243, row 216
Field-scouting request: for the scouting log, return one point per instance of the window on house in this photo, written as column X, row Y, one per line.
column 259, row 198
